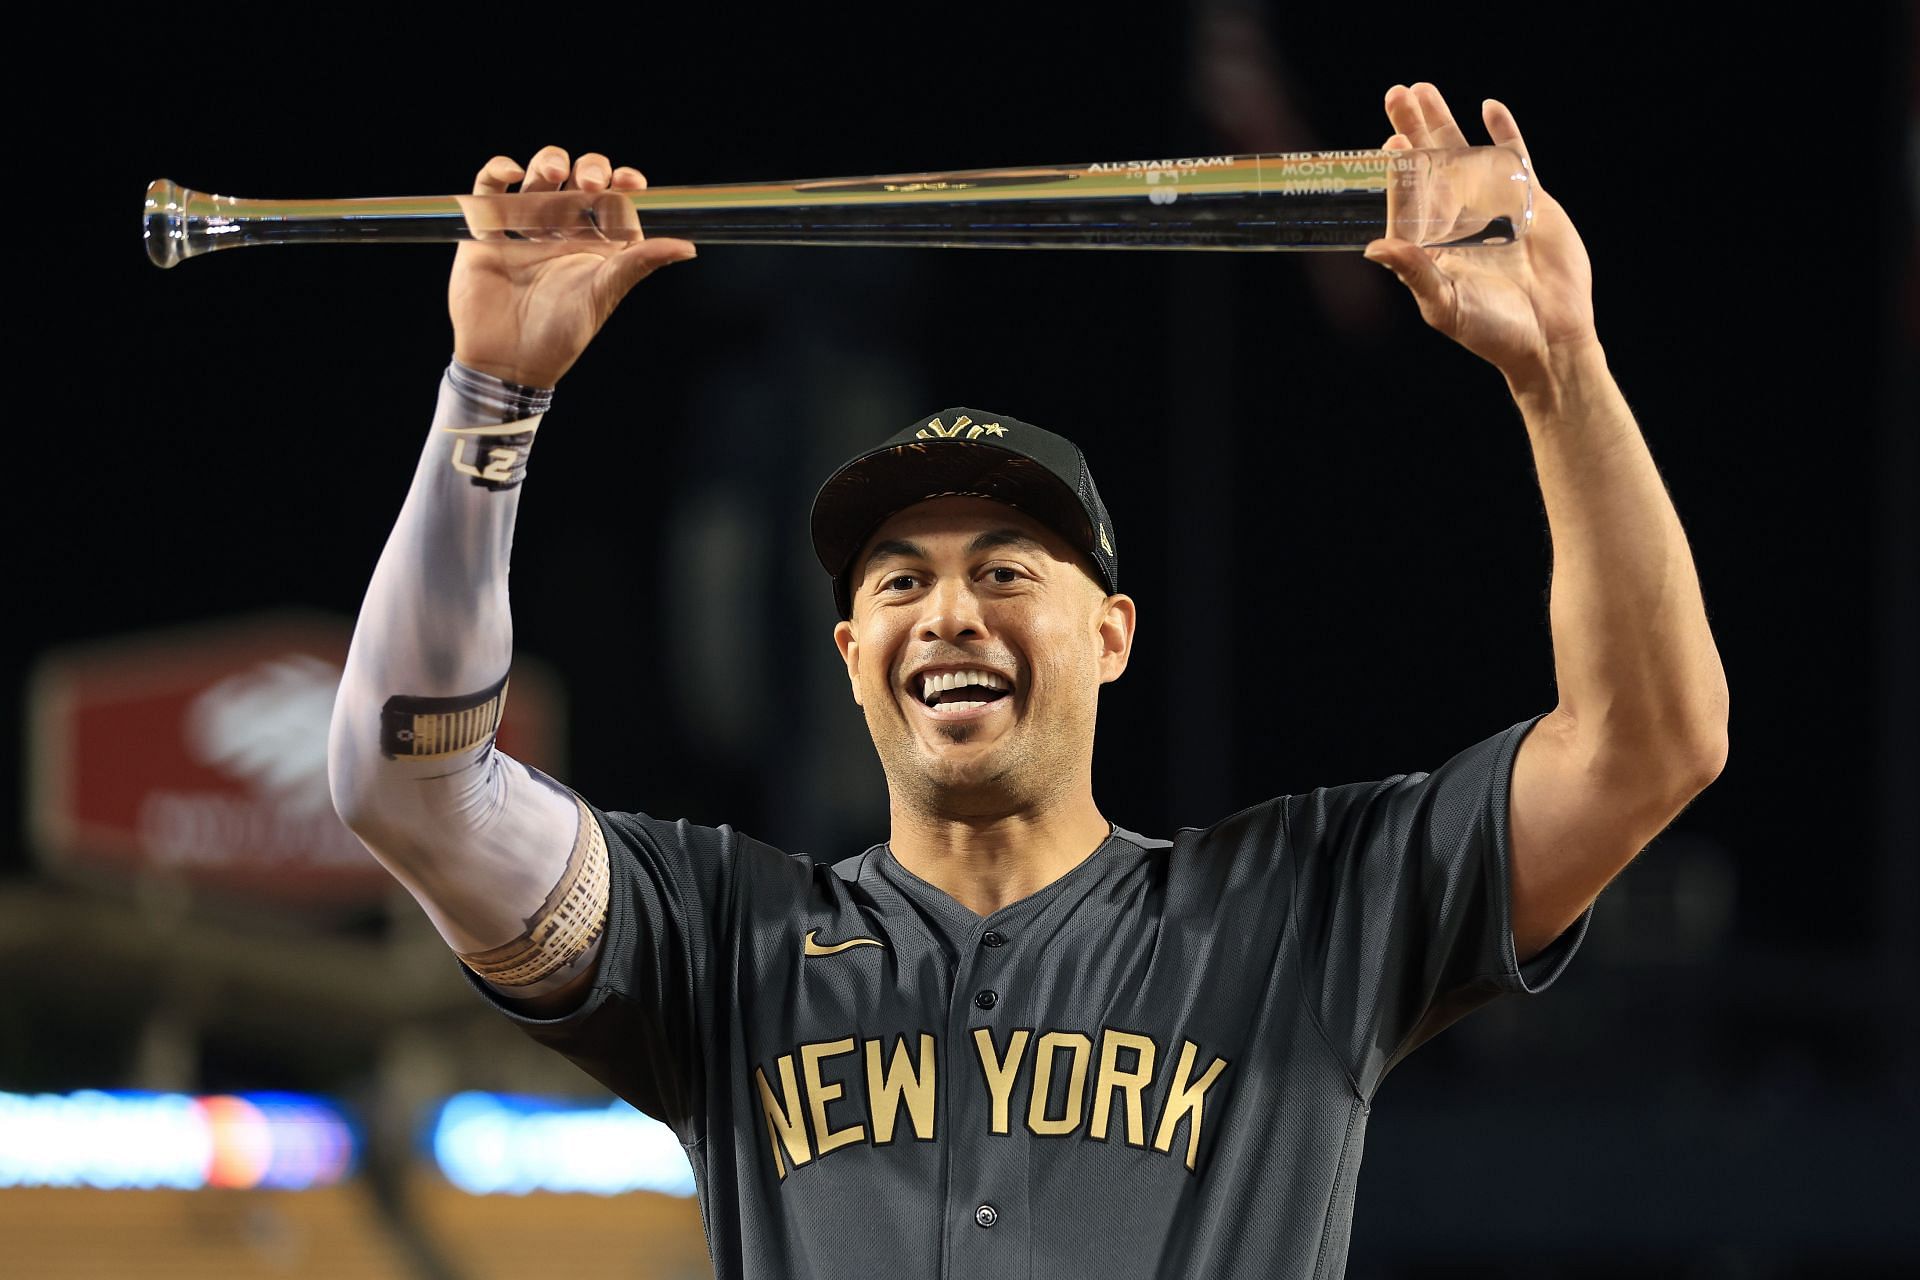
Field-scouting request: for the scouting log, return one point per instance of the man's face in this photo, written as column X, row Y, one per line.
column 955, row 585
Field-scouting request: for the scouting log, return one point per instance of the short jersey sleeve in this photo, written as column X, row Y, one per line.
column 646, row 1029
column 1402, row 904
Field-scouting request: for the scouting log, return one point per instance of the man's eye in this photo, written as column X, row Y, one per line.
column 894, row 582
column 1012, row 575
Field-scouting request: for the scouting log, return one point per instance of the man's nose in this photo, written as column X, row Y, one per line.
column 953, row 612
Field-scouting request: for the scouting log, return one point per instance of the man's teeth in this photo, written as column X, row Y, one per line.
column 933, row 684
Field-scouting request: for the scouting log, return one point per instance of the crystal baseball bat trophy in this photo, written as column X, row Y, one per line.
column 1296, row 201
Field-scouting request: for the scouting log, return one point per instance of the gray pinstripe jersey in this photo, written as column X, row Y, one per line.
column 1159, row 1065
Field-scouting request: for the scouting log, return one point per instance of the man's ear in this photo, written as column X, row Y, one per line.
column 850, row 654
column 1116, row 636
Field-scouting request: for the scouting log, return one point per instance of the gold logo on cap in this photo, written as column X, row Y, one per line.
column 937, row 430
column 1104, row 544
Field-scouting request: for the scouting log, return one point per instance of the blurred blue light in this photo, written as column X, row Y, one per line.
column 118, row 1140
column 489, row 1144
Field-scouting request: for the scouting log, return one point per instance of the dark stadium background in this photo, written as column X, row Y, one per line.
column 1326, row 512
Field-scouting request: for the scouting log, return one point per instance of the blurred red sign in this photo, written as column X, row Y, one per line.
column 201, row 756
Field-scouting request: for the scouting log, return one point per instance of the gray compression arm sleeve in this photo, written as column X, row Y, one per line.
column 478, row 838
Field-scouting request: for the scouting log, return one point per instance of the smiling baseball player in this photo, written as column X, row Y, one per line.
column 1016, row 1039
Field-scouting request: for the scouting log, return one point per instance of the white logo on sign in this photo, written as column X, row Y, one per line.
column 268, row 726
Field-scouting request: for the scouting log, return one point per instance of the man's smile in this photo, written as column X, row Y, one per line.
column 948, row 694
column 950, row 712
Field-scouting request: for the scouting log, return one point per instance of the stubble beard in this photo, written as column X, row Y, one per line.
column 1008, row 777
column 989, row 783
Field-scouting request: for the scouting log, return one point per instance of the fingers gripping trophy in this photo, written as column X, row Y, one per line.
column 1045, row 1043
column 524, row 312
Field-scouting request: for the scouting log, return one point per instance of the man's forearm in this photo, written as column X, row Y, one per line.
column 476, row 837
column 1639, row 677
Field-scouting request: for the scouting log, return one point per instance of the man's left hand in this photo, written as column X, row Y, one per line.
column 1520, row 306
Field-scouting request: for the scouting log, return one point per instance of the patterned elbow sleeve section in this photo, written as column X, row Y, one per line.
column 564, row 931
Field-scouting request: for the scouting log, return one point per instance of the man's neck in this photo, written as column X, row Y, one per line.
column 985, row 863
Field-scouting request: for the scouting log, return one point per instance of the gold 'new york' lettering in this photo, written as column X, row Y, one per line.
column 1131, row 1083
column 1073, row 1079
column 1043, row 1056
column 785, row 1123
column 899, row 1082
column 821, row 1092
column 1186, row 1100
column 1000, row 1072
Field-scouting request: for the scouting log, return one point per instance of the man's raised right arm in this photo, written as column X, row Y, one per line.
column 510, row 867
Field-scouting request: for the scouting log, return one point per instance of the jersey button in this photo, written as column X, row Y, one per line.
column 993, row 939
column 986, row 1000
column 986, row 1215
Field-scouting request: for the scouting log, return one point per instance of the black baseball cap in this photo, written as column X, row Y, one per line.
column 962, row 452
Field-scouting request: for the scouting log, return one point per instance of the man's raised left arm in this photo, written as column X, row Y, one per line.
column 1640, row 727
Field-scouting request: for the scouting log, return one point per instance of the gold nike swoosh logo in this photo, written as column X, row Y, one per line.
column 814, row 948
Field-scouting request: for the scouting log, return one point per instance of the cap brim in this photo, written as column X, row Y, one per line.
column 857, row 499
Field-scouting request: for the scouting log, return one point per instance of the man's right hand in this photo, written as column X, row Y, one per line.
column 522, row 310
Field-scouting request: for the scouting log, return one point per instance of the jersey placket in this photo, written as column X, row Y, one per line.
column 991, row 1036
column 987, row 1222
column 987, row 1061
column 986, row 1226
